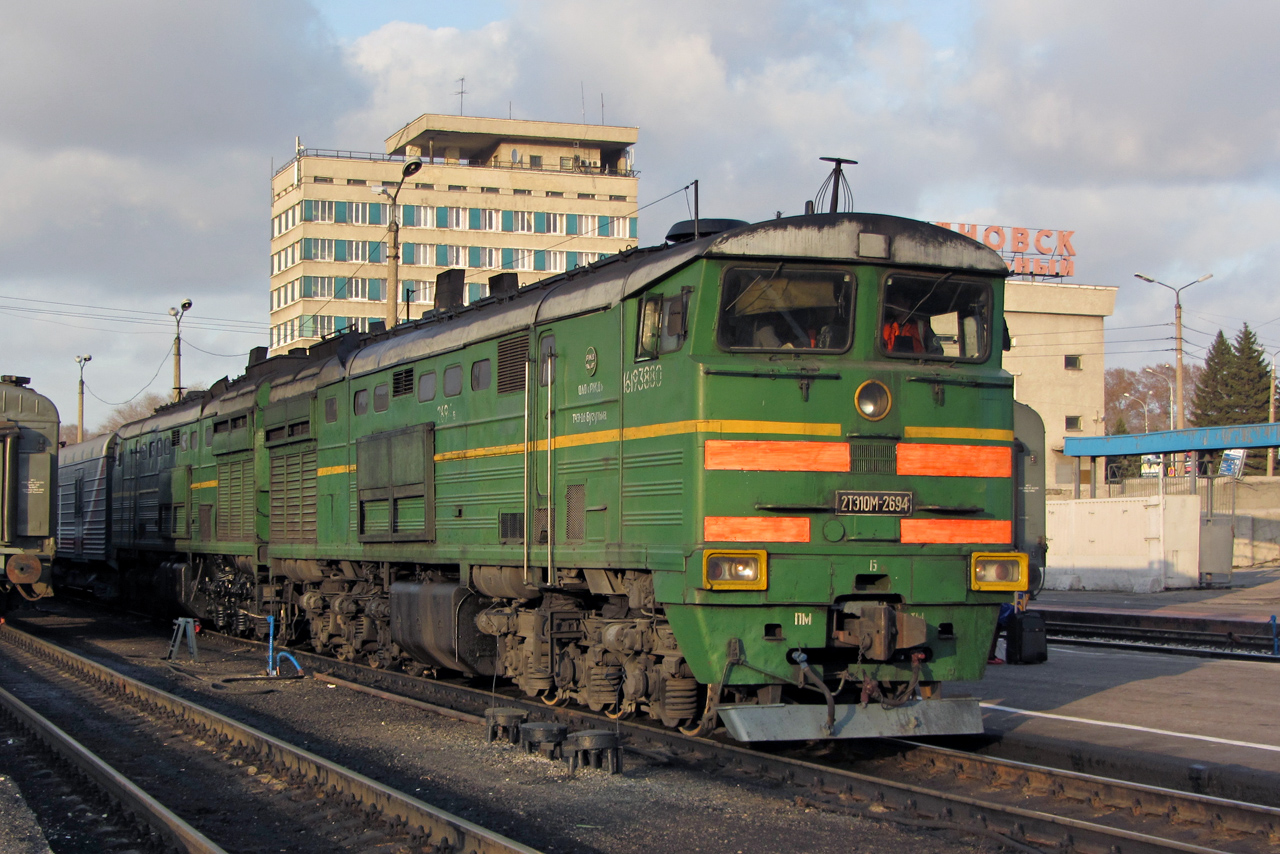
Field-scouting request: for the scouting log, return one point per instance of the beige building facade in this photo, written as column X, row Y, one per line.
column 1058, row 365
column 494, row 196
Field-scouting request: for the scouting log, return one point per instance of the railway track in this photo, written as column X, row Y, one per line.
column 1235, row 639
column 1026, row 807
column 241, row 788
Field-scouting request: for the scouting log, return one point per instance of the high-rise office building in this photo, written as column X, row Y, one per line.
column 493, row 196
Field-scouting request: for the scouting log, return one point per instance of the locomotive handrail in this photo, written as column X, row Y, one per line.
column 968, row 382
column 772, row 375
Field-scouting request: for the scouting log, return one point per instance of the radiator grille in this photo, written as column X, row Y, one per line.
column 511, row 527
column 293, row 497
column 402, row 382
column 575, row 517
column 235, row 500
column 512, row 353
column 871, row 458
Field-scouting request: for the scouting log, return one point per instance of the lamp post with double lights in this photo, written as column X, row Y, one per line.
column 177, row 315
column 1271, row 415
column 1177, row 322
column 81, row 361
column 410, row 168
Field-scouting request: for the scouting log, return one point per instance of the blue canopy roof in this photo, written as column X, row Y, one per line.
column 1175, row 441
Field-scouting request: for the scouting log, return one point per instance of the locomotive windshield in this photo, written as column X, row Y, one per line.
column 936, row 317
column 786, row 308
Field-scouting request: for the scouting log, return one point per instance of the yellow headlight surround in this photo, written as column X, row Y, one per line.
column 735, row 570
column 998, row 571
column 873, row 400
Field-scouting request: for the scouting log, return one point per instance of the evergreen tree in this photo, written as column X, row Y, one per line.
column 1209, row 404
column 1248, row 380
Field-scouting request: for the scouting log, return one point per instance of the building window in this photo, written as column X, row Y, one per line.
column 555, row 194
column 1073, row 424
column 1071, row 363
column 356, row 182
column 555, row 261
column 522, row 192
column 490, row 220
column 555, row 223
column 617, row 226
column 490, row 259
column 488, row 189
column 323, row 211
column 457, row 188
column 424, row 186
column 457, row 256
column 617, row 198
column 522, row 259
column 320, row 179
column 586, row 195
column 566, row 164
column 358, row 212
column 588, row 226
column 456, row 218
column 522, row 222
column 535, row 161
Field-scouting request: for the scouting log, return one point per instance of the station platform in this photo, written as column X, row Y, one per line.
column 1200, row 724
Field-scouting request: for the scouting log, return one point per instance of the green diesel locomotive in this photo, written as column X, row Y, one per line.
column 764, row 477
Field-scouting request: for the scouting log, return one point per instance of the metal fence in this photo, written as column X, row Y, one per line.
column 1217, row 494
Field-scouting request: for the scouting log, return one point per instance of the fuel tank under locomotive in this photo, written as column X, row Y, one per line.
column 435, row 622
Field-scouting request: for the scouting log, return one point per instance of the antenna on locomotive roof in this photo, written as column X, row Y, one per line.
column 835, row 181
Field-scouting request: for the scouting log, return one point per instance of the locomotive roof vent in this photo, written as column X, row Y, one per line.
column 682, row 232
column 10, row 379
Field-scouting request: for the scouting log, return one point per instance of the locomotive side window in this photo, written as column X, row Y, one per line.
column 546, row 353
column 330, row 410
column 427, row 386
column 453, row 380
column 786, row 308
column 360, row 404
column 662, row 325
column 481, row 375
column 381, row 397
column 936, row 317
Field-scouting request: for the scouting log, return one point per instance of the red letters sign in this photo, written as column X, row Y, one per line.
column 1057, row 255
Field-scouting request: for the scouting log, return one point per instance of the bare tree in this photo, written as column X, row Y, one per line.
column 138, row 408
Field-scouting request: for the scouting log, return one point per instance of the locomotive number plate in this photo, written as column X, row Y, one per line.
column 849, row 502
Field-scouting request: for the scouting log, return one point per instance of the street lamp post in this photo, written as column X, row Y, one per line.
column 1177, row 321
column 81, row 361
column 411, row 167
column 1271, row 416
column 177, row 315
column 1146, row 421
column 1169, row 382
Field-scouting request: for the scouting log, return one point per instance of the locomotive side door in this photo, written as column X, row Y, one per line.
column 540, row 460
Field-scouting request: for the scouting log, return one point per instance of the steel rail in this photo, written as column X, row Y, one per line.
column 445, row 830
column 179, row 835
column 1186, row 812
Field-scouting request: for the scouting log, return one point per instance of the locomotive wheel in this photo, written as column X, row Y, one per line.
column 554, row 697
column 623, row 714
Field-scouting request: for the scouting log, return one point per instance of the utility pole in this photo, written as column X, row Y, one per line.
column 86, row 358
column 1271, row 418
column 1177, row 322
column 177, row 315
column 410, row 168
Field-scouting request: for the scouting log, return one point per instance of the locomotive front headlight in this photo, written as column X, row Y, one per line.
column 873, row 400
column 1002, row 571
column 737, row 570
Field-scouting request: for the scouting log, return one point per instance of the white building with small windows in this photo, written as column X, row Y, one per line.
column 1058, row 365
column 493, row 196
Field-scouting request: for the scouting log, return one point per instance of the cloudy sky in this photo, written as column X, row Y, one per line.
column 138, row 138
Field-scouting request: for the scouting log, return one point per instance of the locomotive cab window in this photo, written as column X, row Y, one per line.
column 786, row 308
column 662, row 324
column 936, row 317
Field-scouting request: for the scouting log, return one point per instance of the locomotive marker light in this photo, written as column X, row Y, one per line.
column 735, row 570
column 177, row 315
column 873, row 400
column 409, row 169
column 998, row 571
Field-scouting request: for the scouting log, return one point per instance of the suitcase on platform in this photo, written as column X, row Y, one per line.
column 1027, row 643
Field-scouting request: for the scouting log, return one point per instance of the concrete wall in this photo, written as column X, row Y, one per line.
column 1138, row 545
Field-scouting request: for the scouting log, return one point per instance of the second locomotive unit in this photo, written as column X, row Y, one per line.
column 28, row 478
column 764, row 477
